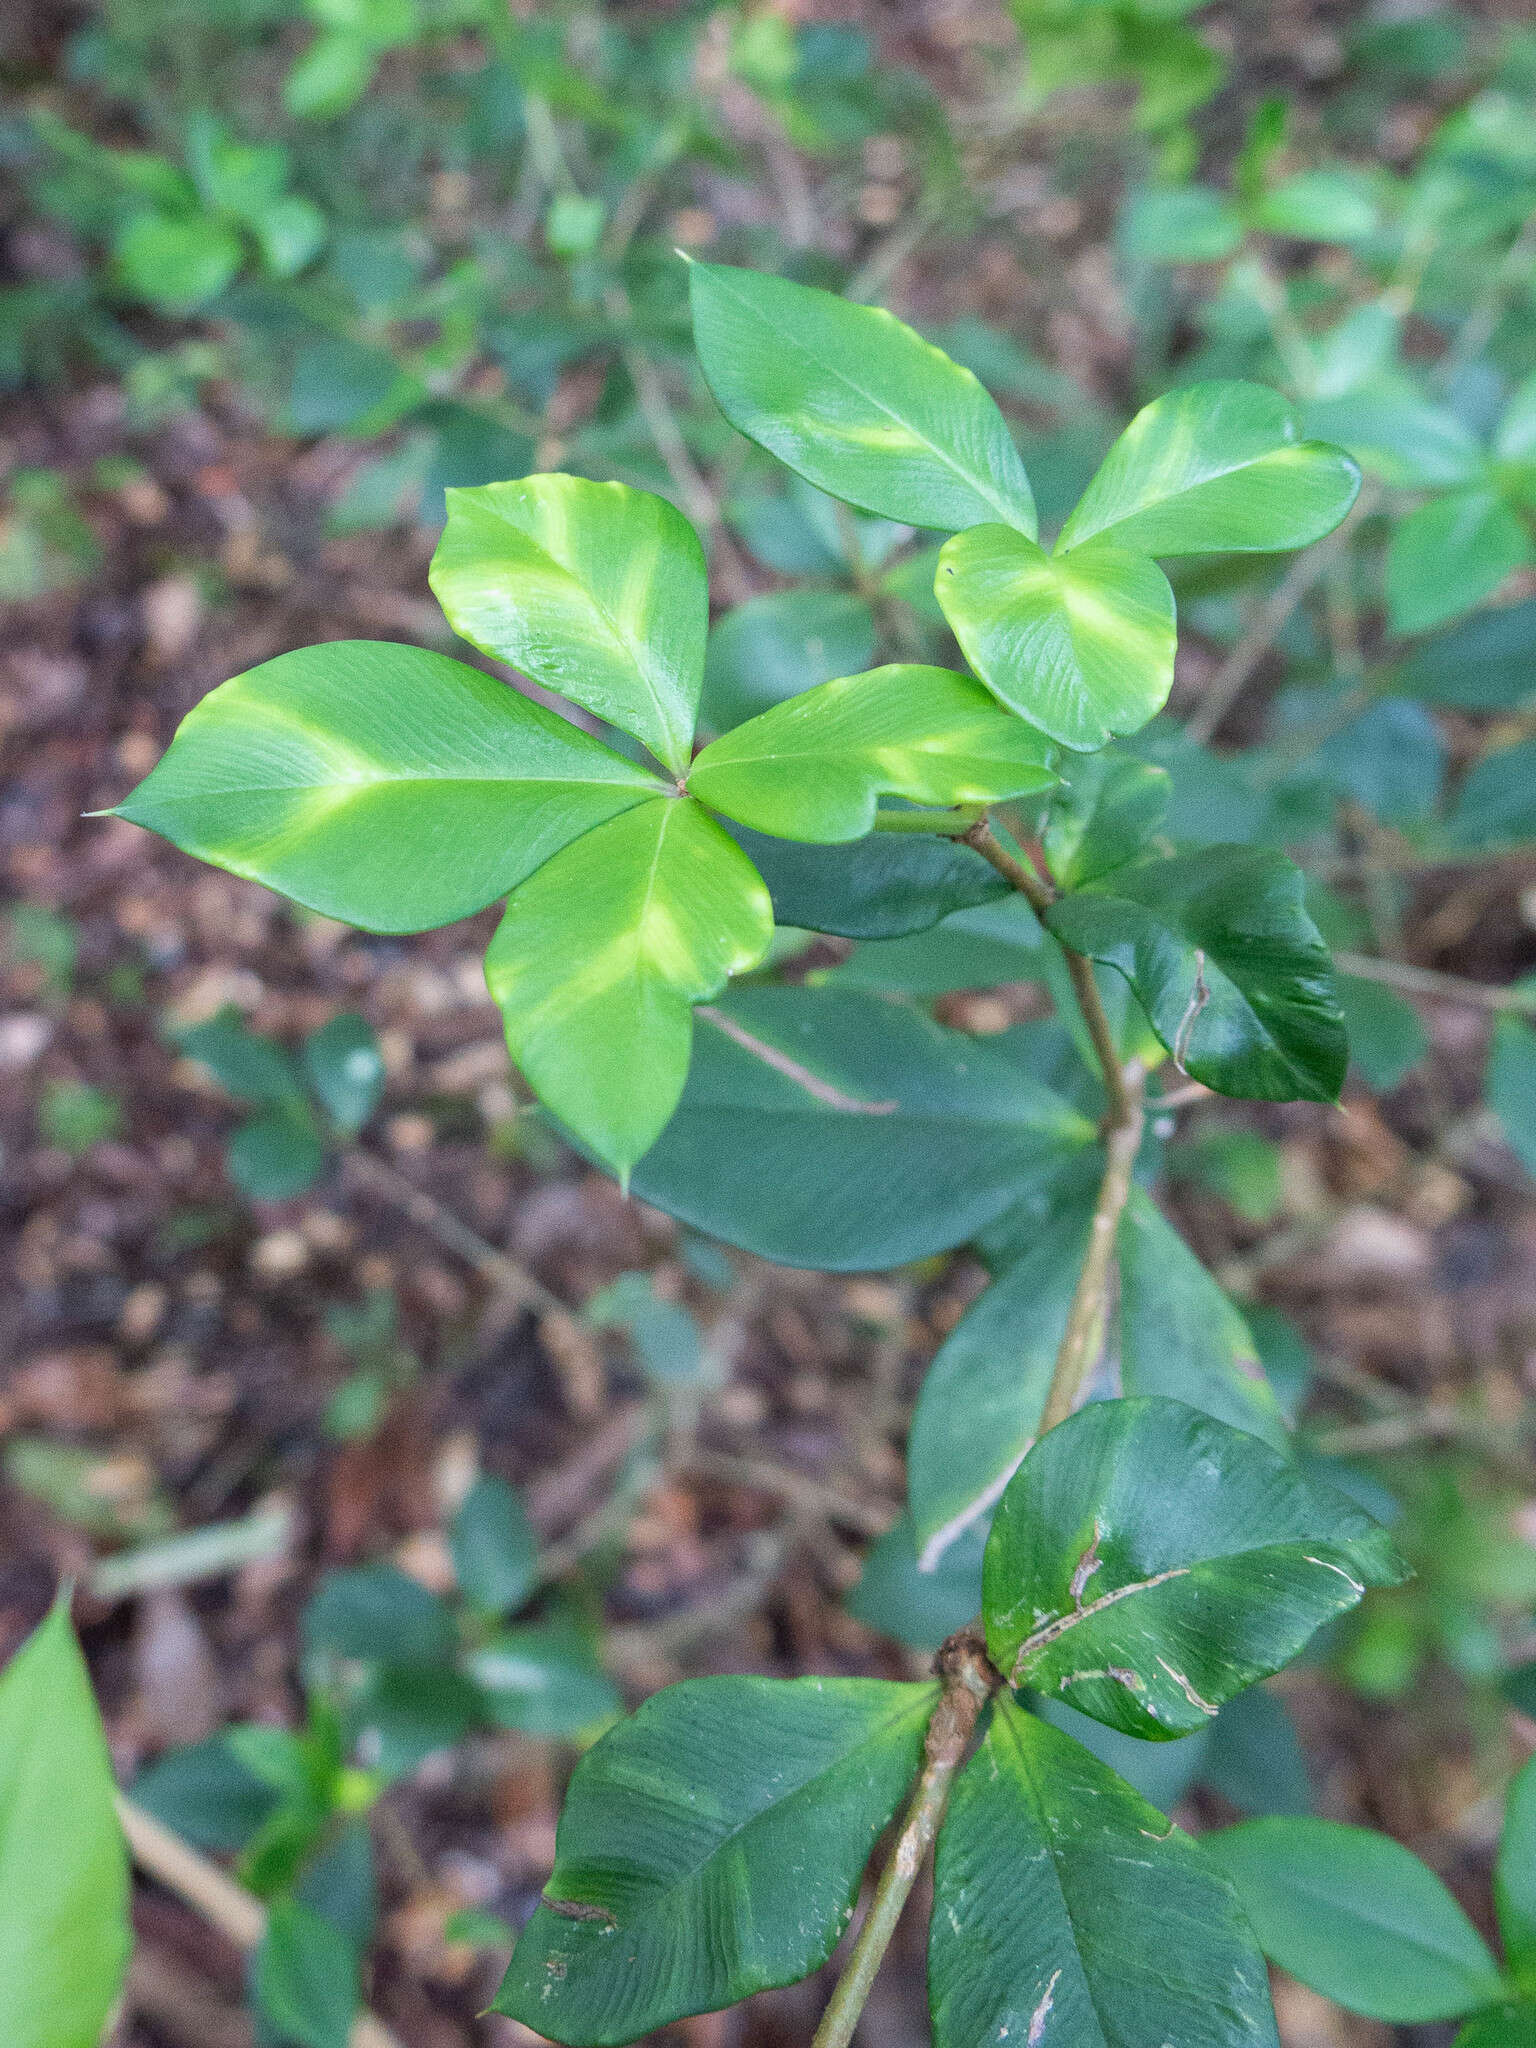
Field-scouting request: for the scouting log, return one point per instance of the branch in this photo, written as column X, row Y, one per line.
column 214, row 1895
column 969, row 1682
column 1428, row 981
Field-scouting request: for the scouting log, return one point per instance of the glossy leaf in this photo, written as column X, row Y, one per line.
column 381, row 784
column 843, row 1132
column 1224, row 959
column 1354, row 1915
column 1514, row 1878
column 1068, row 1909
column 64, row 1931
column 1448, row 556
column 981, row 1402
column 855, row 402
column 596, row 591
column 880, row 887
column 1181, row 1335
column 814, row 768
column 1214, row 469
column 1080, row 646
column 601, row 956
column 744, row 1806
column 1147, row 1562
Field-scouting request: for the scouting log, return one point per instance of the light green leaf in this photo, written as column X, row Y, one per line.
column 1068, row 1909
column 711, row 1846
column 1082, row 647
column 847, row 1133
column 596, row 591
column 601, row 956
column 1224, row 959
column 177, row 263
column 855, row 402
column 1354, row 1915
column 1449, row 555
column 1500, row 2026
column 291, row 230
column 1181, row 1334
column 380, row 784
column 813, row 768
column 1179, row 224
column 981, row 1403
column 64, row 1932
column 1214, row 469
column 330, row 76
column 1514, row 1878
column 1148, row 1562
column 881, row 887
column 1330, row 204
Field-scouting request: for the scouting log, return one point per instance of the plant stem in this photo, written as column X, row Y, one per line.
column 969, row 1682
column 1429, row 981
column 951, row 824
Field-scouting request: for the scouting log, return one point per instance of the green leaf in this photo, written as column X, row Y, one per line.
column 843, row 1132
column 304, row 1978
column 1514, row 1878
column 980, row 1406
column 377, row 1615
column 1488, row 664
column 596, row 591
column 881, row 887
column 1354, row 1915
column 291, row 231
column 329, row 77
column 208, row 1794
column 1224, row 959
column 64, row 1932
column 1103, row 816
column 1214, row 469
column 179, row 264
column 603, row 953
column 245, row 1065
column 1496, row 805
column 1082, row 647
column 380, row 784
column 1386, row 1034
column 1181, row 1334
column 1510, row 1087
column 544, row 1680
column 495, row 1552
column 813, row 768
column 747, row 1806
column 855, row 402
column 1330, row 204
column 1501, row 2026
column 773, row 647
column 1147, row 1562
column 1448, row 556
column 980, row 948
column 346, row 1070
column 921, row 1609
column 276, row 1156
column 1069, row 1909
column 1179, row 224
column 1255, row 1759
column 1398, row 435
column 408, row 1712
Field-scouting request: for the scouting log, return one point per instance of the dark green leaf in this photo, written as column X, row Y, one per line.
column 1501, row 2026
column 841, row 1132
column 304, row 1978
column 274, row 1157
column 855, row 402
column 1147, row 1562
column 1448, row 556
column 1221, row 953
column 495, row 1552
column 544, row 1680
column 981, row 948
column 1488, row 664
column 1254, row 1758
column 1386, row 1033
column 1108, row 808
column 1355, row 1916
column 921, row 1609
column 1081, row 646
column 207, row 1794
column 381, row 784
column 408, row 1712
column 1514, row 1878
column 346, row 1070
column 1069, row 1909
column 1214, row 469
column 376, row 1614
column 747, row 1805
column 244, row 1064
column 876, row 888
column 1496, row 805
column 775, row 646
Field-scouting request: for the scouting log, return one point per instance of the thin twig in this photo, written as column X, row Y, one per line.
column 1429, row 981
column 969, row 1682
column 215, row 1897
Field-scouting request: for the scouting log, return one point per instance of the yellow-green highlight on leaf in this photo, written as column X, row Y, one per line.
column 64, row 1933
column 1082, row 647
column 855, row 402
column 597, row 591
column 712, row 1846
column 1214, row 469
column 384, row 785
column 601, row 956
column 812, row 768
